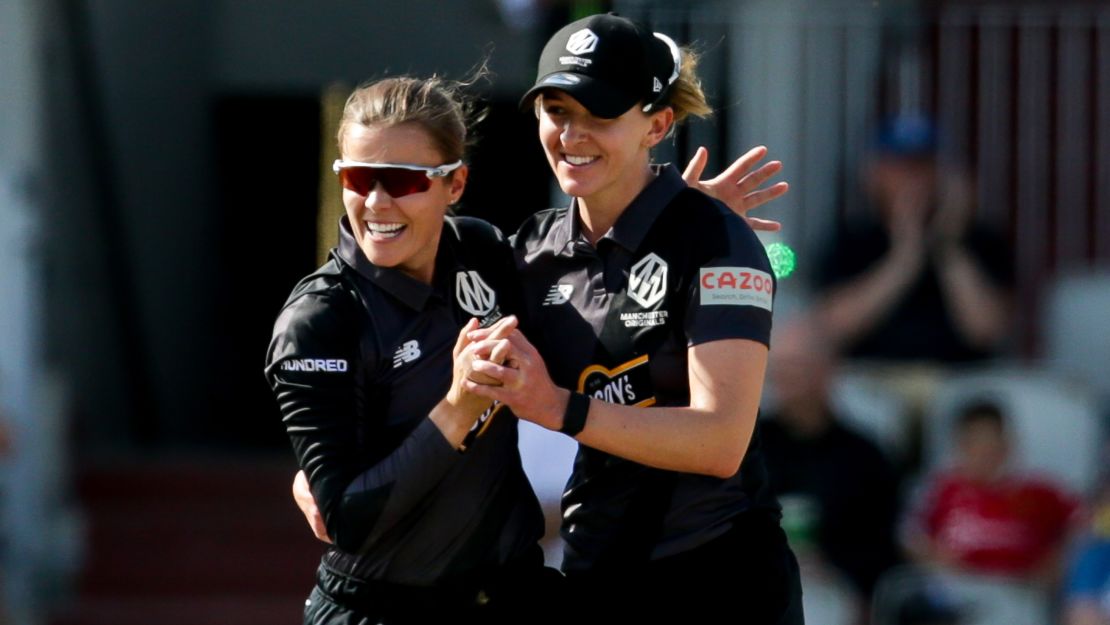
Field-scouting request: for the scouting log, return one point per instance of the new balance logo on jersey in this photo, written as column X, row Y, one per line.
column 406, row 353
column 558, row 294
column 647, row 281
column 474, row 295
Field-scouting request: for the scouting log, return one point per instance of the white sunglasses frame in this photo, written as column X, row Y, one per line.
column 431, row 172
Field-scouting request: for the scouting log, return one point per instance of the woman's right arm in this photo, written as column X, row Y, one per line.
column 313, row 367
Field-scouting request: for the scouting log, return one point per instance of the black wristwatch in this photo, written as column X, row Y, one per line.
column 574, row 419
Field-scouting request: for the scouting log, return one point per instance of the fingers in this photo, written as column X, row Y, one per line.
column 695, row 167
column 496, row 356
column 763, row 225
column 464, row 337
column 758, row 198
column 488, row 391
column 503, row 327
column 508, row 324
column 500, row 352
column 302, row 495
column 501, row 373
column 741, row 165
column 752, row 181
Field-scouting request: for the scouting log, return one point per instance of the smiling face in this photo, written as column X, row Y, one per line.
column 401, row 232
column 604, row 162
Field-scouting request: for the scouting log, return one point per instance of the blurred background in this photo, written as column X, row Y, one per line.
column 946, row 243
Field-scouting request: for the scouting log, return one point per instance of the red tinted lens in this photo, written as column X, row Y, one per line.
column 396, row 182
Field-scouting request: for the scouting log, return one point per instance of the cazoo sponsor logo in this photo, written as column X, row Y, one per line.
column 736, row 286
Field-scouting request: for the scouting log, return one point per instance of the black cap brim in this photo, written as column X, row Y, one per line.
column 600, row 99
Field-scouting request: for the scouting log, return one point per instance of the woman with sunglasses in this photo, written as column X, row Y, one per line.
column 361, row 363
column 416, row 482
column 655, row 306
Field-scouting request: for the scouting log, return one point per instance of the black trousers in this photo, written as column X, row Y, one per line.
column 515, row 594
column 748, row 576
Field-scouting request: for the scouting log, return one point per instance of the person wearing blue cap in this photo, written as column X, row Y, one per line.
column 915, row 278
column 648, row 308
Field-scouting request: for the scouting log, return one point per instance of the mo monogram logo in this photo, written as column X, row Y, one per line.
column 647, row 281
column 474, row 295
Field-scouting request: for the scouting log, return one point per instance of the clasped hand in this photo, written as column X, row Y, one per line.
column 506, row 367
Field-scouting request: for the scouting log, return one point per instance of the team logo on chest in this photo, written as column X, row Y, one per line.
column 474, row 295
column 647, row 281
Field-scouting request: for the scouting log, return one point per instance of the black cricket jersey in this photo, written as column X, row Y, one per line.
column 615, row 321
column 359, row 357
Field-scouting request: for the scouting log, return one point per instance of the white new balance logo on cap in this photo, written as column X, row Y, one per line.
column 582, row 42
column 656, row 86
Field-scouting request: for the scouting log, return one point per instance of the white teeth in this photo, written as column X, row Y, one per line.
column 384, row 229
column 580, row 160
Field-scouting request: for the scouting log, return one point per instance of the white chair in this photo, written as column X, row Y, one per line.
column 862, row 401
column 827, row 599
column 1054, row 421
column 978, row 599
column 1076, row 325
column 547, row 458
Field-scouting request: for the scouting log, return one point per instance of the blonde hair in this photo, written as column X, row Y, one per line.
column 437, row 105
column 686, row 96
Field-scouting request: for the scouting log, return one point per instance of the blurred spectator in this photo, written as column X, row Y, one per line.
column 839, row 492
column 914, row 277
column 979, row 517
column 1087, row 594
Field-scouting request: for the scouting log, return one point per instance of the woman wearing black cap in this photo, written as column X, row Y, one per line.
column 650, row 304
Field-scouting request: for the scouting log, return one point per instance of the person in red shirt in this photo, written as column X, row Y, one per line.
column 981, row 517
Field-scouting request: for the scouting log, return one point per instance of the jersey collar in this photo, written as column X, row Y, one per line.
column 633, row 224
column 412, row 292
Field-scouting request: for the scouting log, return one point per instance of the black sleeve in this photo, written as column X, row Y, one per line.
column 732, row 287
column 314, row 367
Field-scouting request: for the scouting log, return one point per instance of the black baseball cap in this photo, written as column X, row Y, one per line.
column 608, row 63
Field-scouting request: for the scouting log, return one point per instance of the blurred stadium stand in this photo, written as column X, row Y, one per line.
column 190, row 541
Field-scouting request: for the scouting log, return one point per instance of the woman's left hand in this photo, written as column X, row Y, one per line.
column 302, row 494
column 521, row 382
column 738, row 186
